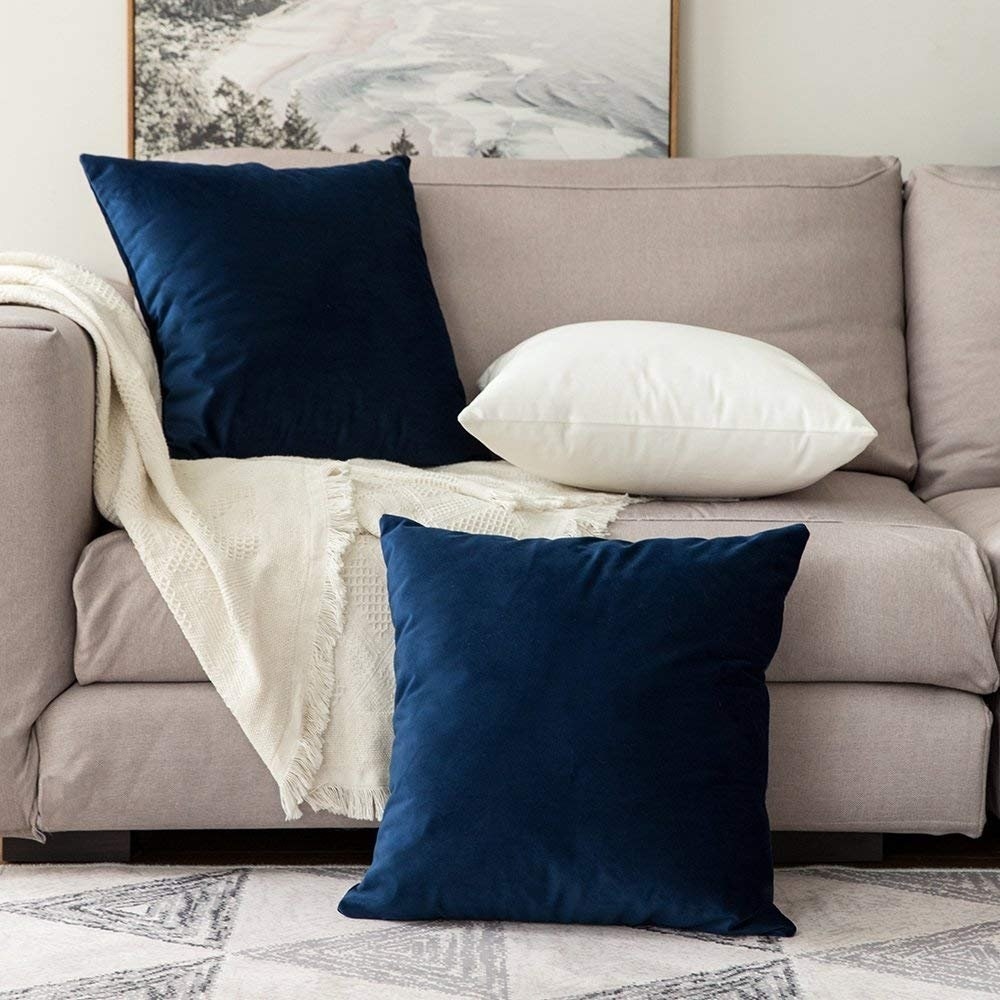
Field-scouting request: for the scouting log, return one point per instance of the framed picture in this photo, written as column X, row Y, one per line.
column 519, row 78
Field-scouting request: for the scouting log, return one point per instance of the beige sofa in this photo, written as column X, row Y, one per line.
column 880, row 688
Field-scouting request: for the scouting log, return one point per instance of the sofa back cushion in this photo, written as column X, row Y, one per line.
column 802, row 252
column 952, row 255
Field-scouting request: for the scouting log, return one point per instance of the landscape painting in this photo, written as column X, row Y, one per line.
column 518, row 78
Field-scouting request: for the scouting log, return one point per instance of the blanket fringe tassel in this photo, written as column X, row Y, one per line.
column 357, row 803
column 341, row 526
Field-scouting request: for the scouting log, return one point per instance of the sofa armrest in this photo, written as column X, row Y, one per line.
column 47, row 515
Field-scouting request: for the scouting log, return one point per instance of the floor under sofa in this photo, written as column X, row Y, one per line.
column 354, row 847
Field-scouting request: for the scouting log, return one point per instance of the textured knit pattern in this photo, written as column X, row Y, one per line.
column 271, row 566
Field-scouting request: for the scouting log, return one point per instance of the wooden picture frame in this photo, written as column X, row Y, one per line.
column 673, row 78
column 675, row 75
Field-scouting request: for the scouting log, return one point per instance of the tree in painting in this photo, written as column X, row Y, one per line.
column 175, row 109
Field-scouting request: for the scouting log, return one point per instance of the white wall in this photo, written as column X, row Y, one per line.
column 918, row 78
column 62, row 93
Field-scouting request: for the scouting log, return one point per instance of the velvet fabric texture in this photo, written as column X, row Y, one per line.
column 292, row 311
column 581, row 730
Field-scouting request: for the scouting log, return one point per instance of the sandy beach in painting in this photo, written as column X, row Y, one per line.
column 544, row 78
column 283, row 45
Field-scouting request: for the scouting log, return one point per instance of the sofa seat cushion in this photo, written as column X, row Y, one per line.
column 977, row 513
column 854, row 757
column 888, row 591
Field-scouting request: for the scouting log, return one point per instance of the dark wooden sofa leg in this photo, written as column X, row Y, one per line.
column 793, row 848
column 73, row 848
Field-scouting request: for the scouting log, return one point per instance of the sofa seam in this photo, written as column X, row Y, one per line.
column 29, row 326
column 795, row 520
column 941, row 175
column 750, row 185
column 984, row 759
column 666, row 427
column 928, row 825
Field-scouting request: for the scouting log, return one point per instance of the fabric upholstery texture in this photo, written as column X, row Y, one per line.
column 800, row 251
column 123, row 619
column 46, row 453
column 877, row 758
column 154, row 756
column 977, row 512
column 952, row 252
column 264, row 349
column 853, row 757
column 887, row 591
column 544, row 687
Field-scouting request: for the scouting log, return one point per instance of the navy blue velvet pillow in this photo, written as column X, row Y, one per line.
column 292, row 311
column 581, row 730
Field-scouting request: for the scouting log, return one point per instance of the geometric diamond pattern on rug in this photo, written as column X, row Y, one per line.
column 773, row 981
column 964, row 958
column 188, row 909
column 467, row 960
column 946, row 928
column 756, row 943
column 973, row 886
column 329, row 871
column 162, row 982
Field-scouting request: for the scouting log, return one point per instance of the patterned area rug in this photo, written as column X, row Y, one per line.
column 88, row 933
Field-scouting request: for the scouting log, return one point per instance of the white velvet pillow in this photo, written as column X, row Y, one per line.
column 663, row 409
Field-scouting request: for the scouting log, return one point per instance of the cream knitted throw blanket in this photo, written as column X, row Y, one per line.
column 272, row 566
